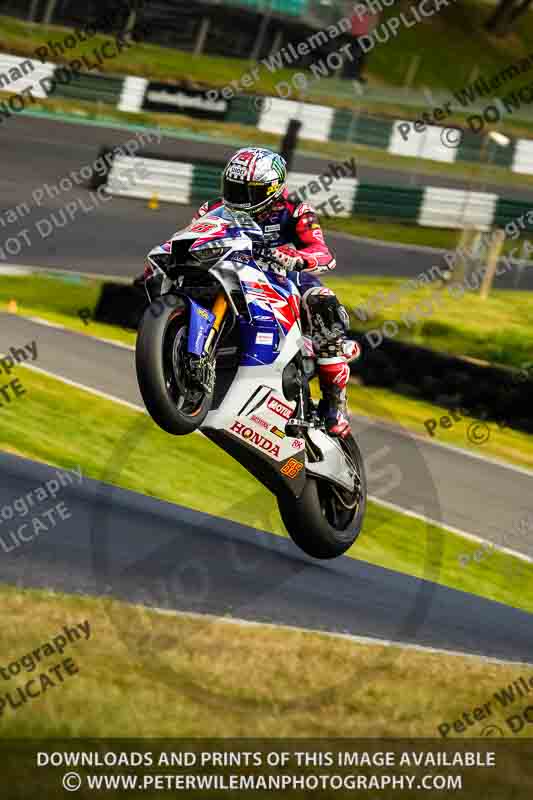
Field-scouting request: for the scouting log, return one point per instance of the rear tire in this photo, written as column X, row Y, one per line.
column 176, row 408
column 311, row 520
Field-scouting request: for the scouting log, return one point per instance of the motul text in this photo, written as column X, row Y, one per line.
column 279, row 408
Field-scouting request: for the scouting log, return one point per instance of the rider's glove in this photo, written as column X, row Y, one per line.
column 288, row 257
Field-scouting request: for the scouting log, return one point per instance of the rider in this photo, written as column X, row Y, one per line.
column 255, row 180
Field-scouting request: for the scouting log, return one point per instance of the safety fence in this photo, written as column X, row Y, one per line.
column 271, row 115
column 192, row 183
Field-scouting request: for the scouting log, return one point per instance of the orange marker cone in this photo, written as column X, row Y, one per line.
column 12, row 307
column 153, row 203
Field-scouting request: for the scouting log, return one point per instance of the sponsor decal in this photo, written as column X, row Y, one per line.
column 264, row 338
column 259, row 421
column 256, row 439
column 272, row 227
column 204, row 227
column 236, row 172
column 277, row 432
column 166, row 98
column 245, row 156
column 242, row 258
column 297, row 444
column 292, row 468
column 279, row 408
column 203, row 313
column 272, row 188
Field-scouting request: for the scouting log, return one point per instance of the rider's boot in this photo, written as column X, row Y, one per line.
column 333, row 374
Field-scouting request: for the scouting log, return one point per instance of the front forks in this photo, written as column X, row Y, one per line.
column 220, row 307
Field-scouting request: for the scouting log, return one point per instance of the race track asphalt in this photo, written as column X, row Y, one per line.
column 115, row 236
column 449, row 486
column 132, row 547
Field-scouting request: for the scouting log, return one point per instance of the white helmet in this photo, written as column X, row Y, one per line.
column 253, row 179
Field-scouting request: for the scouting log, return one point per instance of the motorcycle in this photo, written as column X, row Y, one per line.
column 220, row 349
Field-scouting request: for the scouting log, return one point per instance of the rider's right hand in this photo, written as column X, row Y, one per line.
column 288, row 257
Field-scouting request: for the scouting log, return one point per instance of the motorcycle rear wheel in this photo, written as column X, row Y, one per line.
column 326, row 520
column 159, row 359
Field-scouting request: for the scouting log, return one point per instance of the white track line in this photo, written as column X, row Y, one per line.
column 392, row 506
column 68, row 272
column 377, row 422
column 396, row 428
column 351, row 637
column 451, row 528
column 46, row 323
column 365, row 640
column 453, row 448
column 85, row 388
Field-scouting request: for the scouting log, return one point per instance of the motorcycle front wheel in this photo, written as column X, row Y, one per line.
column 160, row 359
column 326, row 520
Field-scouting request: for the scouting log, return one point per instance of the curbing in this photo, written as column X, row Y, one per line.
column 192, row 183
column 271, row 114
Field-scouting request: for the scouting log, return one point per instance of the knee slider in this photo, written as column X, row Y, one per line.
column 333, row 314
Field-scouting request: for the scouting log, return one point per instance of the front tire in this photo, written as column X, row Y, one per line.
column 321, row 521
column 159, row 356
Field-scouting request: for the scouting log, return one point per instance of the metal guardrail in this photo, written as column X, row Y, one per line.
column 193, row 183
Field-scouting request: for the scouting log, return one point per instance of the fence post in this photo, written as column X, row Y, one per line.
column 202, row 36
column 49, row 12
column 33, row 10
column 492, row 262
column 260, row 38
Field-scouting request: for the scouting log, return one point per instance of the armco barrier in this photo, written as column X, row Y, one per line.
column 23, row 72
column 270, row 114
column 183, row 182
column 490, row 392
column 93, row 88
column 494, row 393
column 120, row 304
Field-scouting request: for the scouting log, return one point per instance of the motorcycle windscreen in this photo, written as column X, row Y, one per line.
column 200, row 323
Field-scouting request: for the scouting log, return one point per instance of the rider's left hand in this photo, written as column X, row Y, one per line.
column 288, row 257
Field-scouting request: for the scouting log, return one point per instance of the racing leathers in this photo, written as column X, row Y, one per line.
column 293, row 232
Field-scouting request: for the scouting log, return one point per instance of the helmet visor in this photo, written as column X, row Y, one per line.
column 236, row 193
column 249, row 196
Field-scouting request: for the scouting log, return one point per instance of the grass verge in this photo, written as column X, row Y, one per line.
column 474, row 48
column 498, row 330
column 180, row 676
column 405, row 233
column 58, row 424
column 60, row 299
column 506, row 444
